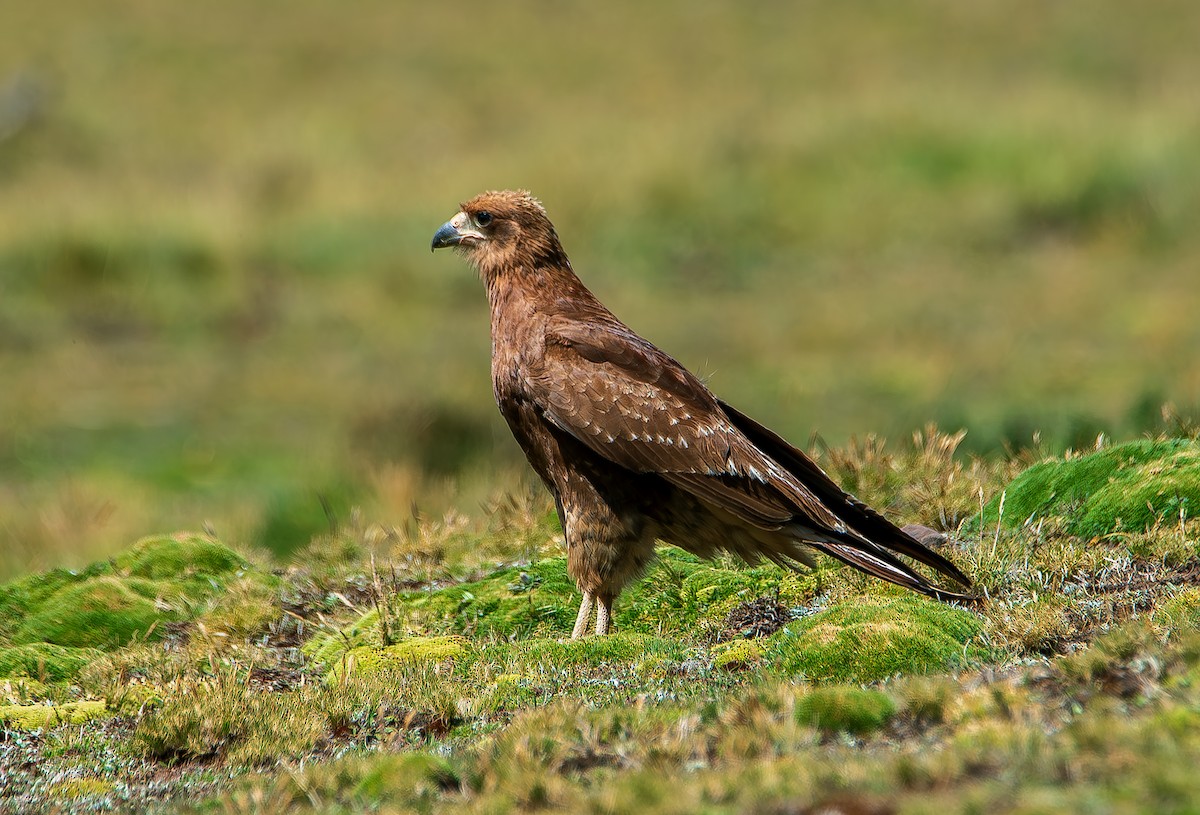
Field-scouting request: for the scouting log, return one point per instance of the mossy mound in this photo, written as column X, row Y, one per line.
column 183, row 556
column 530, row 601
column 26, row 595
column 679, row 593
column 103, row 612
column 874, row 638
column 839, row 709
column 367, row 660
column 41, row 717
column 624, row 648
column 682, row 592
column 158, row 580
column 737, row 655
column 1125, row 488
column 44, row 661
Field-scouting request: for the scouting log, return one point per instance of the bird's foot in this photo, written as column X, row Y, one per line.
column 603, row 615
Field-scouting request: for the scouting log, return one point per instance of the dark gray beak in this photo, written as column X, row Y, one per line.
column 458, row 231
column 447, row 235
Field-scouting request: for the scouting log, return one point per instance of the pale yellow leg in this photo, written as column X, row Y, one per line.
column 603, row 615
column 585, row 611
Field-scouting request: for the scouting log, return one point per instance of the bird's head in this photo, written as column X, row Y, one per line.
column 497, row 230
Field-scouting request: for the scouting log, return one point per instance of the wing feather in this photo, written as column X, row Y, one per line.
column 855, row 513
column 631, row 403
column 636, row 406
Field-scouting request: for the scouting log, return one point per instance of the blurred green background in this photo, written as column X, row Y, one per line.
column 217, row 302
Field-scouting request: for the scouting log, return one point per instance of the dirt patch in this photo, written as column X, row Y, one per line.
column 753, row 619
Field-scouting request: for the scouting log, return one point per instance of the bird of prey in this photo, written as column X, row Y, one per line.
column 634, row 448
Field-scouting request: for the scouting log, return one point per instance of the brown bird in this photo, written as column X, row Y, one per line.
column 634, row 448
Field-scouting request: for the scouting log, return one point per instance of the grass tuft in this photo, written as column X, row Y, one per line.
column 840, row 709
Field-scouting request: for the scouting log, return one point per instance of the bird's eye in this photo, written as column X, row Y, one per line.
column 483, row 218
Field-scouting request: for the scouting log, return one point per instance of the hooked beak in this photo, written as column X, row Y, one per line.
column 455, row 231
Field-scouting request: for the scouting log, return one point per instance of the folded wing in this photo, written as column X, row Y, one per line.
column 632, row 404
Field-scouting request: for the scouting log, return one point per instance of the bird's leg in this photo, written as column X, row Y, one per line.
column 603, row 615
column 585, row 611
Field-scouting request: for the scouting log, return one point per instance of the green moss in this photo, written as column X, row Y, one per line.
column 44, row 661
column 683, row 593
column 736, row 655
column 367, row 660
column 637, row 651
column 104, row 612
column 157, row 580
column 874, row 638
column 21, row 596
column 40, row 717
column 536, row 600
column 1127, row 487
column 328, row 647
column 839, row 709
column 179, row 556
column 80, row 788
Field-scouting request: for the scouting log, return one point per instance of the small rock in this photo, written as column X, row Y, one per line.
column 925, row 535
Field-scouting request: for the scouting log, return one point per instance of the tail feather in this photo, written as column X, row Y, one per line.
column 871, row 549
column 878, row 562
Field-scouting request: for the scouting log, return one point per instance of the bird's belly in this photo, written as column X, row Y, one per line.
column 610, row 532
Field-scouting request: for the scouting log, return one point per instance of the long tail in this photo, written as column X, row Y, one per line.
column 876, row 560
column 877, row 542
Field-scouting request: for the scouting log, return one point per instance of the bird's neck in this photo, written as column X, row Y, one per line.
column 524, row 289
column 524, row 300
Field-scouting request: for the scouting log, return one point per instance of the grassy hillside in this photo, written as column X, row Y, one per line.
column 426, row 670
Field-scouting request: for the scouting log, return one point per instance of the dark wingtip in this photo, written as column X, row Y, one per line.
column 956, row 597
column 876, row 560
